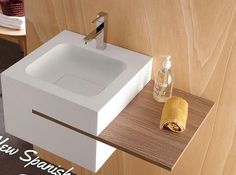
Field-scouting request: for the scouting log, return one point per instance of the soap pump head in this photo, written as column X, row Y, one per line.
column 167, row 62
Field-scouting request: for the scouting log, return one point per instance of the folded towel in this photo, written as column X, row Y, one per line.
column 174, row 114
column 12, row 25
column 15, row 19
column 12, row 22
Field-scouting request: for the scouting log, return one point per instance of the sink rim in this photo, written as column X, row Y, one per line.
column 134, row 61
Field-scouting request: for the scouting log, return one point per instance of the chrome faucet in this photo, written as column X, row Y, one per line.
column 100, row 33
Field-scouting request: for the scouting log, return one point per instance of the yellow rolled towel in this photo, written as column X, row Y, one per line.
column 174, row 114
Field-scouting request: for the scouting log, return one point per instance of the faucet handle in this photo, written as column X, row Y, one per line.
column 101, row 17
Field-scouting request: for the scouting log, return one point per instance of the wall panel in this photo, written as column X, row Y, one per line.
column 200, row 36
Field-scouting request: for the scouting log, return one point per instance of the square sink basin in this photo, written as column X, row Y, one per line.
column 77, row 85
column 77, row 70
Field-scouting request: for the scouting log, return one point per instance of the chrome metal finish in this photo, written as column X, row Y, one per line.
column 100, row 33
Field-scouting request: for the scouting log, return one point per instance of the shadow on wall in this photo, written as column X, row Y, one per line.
column 9, row 54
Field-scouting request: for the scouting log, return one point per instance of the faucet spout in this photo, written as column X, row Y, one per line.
column 100, row 32
column 91, row 36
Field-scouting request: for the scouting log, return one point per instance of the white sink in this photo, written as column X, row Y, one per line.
column 81, row 71
column 75, row 84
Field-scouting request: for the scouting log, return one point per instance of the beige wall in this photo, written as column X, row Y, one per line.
column 200, row 36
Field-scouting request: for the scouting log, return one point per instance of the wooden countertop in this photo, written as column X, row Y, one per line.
column 136, row 129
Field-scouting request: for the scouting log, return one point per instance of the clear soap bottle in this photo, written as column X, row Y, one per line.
column 164, row 81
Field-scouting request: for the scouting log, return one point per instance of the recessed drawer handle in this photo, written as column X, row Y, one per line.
column 62, row 124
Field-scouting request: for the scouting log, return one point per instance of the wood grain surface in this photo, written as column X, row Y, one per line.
column 200, row 36
column 136, row 130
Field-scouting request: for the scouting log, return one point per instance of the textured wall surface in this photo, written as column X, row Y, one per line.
column 200, row 36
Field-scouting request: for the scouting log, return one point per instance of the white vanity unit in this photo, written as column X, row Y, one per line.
column 71, row 84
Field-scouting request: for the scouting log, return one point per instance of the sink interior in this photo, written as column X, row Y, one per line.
column 76, row 69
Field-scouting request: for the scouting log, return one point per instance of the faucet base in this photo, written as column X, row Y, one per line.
column 100, row 44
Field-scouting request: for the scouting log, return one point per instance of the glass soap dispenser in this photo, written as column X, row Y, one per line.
column 164, row 81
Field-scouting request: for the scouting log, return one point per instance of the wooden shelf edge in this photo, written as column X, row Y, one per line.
column 136, row 129
column 12, row 32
